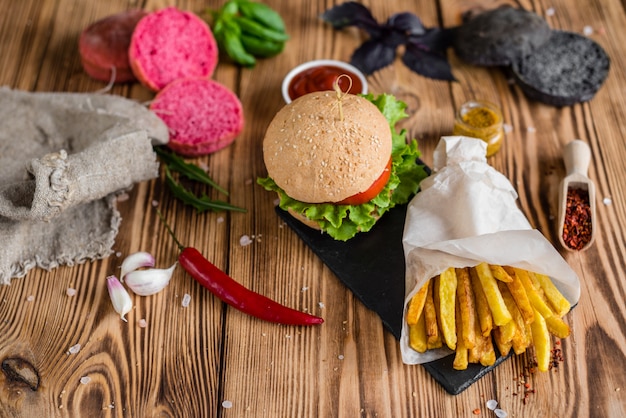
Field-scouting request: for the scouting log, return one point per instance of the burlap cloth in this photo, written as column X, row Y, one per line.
column 63, row 159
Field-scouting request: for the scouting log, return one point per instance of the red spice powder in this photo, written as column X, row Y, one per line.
column 577, row 224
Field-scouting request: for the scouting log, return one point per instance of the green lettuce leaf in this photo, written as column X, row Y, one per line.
column 343, row 222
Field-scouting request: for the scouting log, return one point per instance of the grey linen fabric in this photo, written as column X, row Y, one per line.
column 64, row 157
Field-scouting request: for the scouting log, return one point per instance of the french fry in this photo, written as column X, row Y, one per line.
column 529, row 335
column 534, row 281
column 482, row 307
column 475, row 353
column 557, row 327
column 500, row 273
column 503, row 346
column 488, row 357
column 475, row 310
column 534, row 294
column 557, row 301
column 541, row 341
column 519, row 338
column 509, row 329
column 416, row 305
column 461, row 357
column 521, row 298
column 433, row 339
column 500, row 313
column 447, row 310
column 467, row 309
column 418, row 340
column 436, row 282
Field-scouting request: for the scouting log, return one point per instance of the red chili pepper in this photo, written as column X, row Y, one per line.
column 235, row 294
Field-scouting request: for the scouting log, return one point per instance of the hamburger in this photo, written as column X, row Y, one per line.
column 338, row 163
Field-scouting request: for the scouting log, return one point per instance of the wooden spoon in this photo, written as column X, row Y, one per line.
column 576, row 156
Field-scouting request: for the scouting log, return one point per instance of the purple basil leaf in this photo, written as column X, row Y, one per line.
column 407, row 23
column 391, row 37
column 435, row 39
column 427, row 63
column 373, row 55
column 351, row 13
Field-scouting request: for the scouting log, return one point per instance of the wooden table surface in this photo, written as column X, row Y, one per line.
column 210, row 360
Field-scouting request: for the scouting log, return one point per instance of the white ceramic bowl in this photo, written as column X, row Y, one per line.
column 320, row 63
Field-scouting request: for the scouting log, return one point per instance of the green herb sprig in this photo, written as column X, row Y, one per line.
column 191, row 171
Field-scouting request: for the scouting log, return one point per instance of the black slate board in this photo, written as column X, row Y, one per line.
column 372, row 266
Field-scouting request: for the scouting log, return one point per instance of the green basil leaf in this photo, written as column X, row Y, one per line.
column 263, row 14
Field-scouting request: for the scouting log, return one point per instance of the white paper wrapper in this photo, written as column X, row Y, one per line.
column 466, row 213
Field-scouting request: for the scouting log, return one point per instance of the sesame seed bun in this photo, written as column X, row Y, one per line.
column 317, row 156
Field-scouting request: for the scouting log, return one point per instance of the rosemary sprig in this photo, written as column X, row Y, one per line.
column 191, row 171
column 202, row 203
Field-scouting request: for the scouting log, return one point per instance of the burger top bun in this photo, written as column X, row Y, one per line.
column 315, row 155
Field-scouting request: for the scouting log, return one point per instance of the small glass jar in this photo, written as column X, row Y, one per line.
column 483, row 120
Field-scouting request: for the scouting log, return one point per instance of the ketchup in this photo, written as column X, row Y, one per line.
column 322, row 78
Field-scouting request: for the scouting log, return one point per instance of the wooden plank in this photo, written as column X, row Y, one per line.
column 189, row 361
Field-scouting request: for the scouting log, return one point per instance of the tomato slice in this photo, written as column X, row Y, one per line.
column 372, row 192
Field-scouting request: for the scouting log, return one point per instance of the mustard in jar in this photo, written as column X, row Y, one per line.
column 483, row 120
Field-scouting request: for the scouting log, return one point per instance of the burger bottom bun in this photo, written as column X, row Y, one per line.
column 304, row 219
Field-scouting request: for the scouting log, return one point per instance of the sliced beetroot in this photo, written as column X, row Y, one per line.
column 169, row 45
column 567, row 69
column 202, row 115
column 500, row 36
column 103, row 46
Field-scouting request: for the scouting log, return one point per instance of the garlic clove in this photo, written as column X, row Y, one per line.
column 150, row 281
column 135, row 261
column 119, row 297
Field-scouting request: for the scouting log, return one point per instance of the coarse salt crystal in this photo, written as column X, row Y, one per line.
column 531, row 129
column 227, row 404
column 245, row 240
column 85, row 379
column 340, row 357
column 220, row 219
column 74, row 349
column 607, row 201
column 305, row 288
column 30, row 298
column 587, row 30
column 500, row 413
column 491, row 404
column 508, row 128
column 142, row 323
column 276, row 202
column 70, row 291
column 550, row 11
column 321, row 305
column 186, row 300
column 155, row 203
column 123, row 197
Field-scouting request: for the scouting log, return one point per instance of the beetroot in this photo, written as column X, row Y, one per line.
column 202, row 115
column 103, row 45
column 169, row 45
